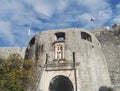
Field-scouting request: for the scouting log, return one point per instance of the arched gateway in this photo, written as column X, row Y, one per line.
column 61, row 83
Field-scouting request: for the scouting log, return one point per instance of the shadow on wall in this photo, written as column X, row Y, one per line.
column 105, row 88
column 26, row 53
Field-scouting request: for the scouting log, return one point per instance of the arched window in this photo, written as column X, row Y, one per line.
column 86, row 36
column 60, row 36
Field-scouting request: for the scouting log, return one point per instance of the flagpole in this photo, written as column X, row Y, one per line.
column 29, row 32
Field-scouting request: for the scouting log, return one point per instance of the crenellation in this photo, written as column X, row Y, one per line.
column 6, row 51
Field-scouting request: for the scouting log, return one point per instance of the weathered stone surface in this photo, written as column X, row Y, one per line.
column 6, row 51
column 110, row 42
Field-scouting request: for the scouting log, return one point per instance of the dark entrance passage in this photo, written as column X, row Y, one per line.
column 61, row 83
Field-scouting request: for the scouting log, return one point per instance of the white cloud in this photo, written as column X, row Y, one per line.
column 85, row 17
column 5, row 32
column 50, row 14
column 84, row 20
column 116, row 16
column 118, row 6
column 93, row 6
column 61, row 5
column 117, row 10
column 41, row 7
column 116, row 19
column 104, row 15
column 46, row 8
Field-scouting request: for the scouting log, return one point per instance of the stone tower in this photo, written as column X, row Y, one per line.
column 68, row 60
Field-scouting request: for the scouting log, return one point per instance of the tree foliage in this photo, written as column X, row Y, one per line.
column 16, row 74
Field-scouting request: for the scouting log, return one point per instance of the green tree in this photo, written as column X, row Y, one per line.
column 16, row 74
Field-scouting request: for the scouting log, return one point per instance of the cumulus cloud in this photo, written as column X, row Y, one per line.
column 117, row 19
column 116, row 14
column 41, row 7
column 85, row 17
column 93, row 6
column 18, row 15
column 118, row 6
column 5, row 32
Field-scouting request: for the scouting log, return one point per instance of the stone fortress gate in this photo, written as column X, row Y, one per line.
column 68, row 60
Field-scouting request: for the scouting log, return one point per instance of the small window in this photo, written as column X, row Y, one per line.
column 32, row 41
column 86, row 36
column 60, row 36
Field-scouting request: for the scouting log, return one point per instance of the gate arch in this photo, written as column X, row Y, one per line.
column 61, row 83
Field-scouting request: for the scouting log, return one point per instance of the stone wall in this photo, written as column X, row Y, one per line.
column 110, row 42
column 6, row 51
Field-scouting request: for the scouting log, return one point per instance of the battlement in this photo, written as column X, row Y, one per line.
column 6, row 51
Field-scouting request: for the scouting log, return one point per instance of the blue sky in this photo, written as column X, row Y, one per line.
column 17, row 16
